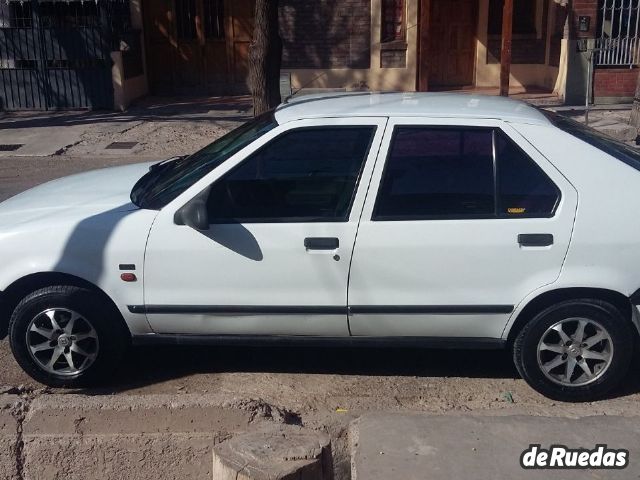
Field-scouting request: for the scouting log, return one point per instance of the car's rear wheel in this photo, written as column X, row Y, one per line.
column 577, row 350
column 66, row 336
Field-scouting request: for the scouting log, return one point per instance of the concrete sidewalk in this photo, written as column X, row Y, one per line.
column 155, row 127
column 426, row 447
column 610, row 119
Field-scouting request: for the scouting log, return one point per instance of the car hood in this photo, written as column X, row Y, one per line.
column 89, row 192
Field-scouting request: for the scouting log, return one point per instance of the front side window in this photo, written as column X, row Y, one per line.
column 305, row 175
column 458, row 173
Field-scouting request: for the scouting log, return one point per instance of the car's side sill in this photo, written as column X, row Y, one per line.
column 286, row 340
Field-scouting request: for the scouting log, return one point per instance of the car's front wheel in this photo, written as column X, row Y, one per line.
column 66, row 336
column 577, row 350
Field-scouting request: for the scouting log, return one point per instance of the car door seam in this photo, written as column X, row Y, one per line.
column 364, row 204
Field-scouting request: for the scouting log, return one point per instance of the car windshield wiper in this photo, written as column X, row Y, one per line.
column 155, row 166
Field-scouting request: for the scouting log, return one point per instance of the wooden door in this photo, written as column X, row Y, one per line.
column 452, row 43
column 240, row 31
column 197, row 46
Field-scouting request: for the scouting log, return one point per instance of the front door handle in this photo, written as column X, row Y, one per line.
column 535, row 239
column 321, row 243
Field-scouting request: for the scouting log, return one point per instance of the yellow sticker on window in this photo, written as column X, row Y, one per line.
column 516, row 210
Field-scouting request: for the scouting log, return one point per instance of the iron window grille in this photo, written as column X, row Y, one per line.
column 618, row 43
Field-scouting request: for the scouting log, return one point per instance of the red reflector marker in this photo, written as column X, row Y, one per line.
column 128, row 277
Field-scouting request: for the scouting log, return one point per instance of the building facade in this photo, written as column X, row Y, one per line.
column 93, row 54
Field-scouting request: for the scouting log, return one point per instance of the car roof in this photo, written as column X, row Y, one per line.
column 435, row 105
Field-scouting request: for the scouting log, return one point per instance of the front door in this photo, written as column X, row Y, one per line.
column 467, row 221
column 198, row 46
column 452, row 44
column 275, row 260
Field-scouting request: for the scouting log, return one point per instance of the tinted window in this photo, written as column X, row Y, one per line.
column 523, row 187
column 437, row 172
column 304, row 175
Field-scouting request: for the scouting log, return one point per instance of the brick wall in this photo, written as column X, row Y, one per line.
column 326, row 33
column 615, row 82
column 584, row 8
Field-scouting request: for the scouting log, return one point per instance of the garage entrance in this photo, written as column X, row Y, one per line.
column 56, row 55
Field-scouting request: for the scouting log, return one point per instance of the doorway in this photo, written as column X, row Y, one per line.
column 452, row 43
column 198, row 46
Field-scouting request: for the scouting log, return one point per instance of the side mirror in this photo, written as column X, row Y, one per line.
column 194, row 214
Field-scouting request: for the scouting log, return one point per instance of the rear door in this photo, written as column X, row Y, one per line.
column 462, row 222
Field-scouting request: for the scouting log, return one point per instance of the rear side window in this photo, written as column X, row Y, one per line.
column 451, row 173
column 523, row 188
column 437, row 173
column 306, row 175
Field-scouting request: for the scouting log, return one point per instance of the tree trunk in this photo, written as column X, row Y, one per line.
column 265, row 58
column 505, row 51
column 635, row 110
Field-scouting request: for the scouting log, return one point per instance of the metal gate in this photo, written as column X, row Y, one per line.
column 619, row 42
column 55, row 55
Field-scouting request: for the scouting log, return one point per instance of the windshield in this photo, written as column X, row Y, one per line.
column 166, row 180
column 619, row 150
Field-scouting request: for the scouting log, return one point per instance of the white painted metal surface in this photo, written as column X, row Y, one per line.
column 410, row 104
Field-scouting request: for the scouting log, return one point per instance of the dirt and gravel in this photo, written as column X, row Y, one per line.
column 318, row 383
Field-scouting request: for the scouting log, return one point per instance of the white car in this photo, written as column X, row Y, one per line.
column 405, row 219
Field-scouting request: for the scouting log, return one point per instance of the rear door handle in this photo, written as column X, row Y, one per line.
column 535, row 239
column 321, row 243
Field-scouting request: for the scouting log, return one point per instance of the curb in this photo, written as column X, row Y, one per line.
column 124, row 437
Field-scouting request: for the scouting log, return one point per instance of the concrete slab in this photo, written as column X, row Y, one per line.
column 274, row 452
column 444, row 447
column 119, row 457
column 132, row 414
column 40, row 142
column 126, row 437
column 8, row 437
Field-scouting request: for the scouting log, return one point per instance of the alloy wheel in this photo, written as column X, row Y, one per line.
column 575, row 352
column 62, row 341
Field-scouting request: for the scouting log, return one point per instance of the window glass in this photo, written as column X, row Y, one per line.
column 214, row 18
column 393, row 20
column 186, row 19
column 304, row 175
column 524, row 17
column 524, row 189
column 437, row 172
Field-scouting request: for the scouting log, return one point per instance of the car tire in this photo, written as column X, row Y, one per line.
column 576, row 350
column 73, row 324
